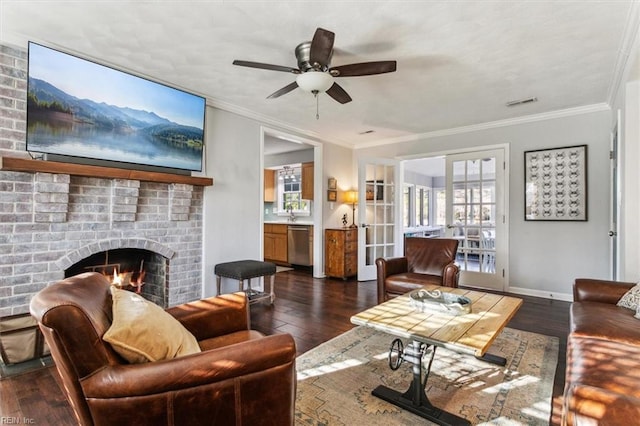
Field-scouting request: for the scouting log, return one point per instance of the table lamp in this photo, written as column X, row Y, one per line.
column 351, row 196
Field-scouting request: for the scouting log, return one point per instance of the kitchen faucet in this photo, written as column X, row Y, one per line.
column 292, row 217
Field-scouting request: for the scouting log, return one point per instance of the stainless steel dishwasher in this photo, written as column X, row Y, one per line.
column 299, row 244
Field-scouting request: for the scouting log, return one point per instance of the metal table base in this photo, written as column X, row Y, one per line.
column 415, row 398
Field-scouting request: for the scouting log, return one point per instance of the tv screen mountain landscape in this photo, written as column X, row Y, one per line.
column 78, row 108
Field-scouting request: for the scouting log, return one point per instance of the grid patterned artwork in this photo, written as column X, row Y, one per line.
column 556, row 184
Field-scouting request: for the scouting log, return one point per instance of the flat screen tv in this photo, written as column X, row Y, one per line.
column 78, row 108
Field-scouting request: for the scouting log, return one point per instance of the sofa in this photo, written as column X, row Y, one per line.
column 233, row 375
column 602, row 383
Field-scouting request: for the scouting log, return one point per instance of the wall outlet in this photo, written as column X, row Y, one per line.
column 266, row 211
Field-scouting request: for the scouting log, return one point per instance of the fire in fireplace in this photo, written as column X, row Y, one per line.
column 139, row 270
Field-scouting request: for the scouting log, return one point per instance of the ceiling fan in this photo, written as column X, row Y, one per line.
column 314, row 71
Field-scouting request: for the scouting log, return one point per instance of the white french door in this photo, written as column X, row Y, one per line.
column 378, row 200
column 475, row 193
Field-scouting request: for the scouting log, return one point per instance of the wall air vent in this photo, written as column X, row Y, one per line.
column 522, row 101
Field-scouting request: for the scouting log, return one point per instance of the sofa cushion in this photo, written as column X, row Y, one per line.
column 142, row 331
column 604, row 321
column 631, row 299
column 588, row 405
column 407, row 281
column 604, row 364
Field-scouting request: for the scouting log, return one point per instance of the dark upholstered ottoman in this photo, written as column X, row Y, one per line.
column 246, row 270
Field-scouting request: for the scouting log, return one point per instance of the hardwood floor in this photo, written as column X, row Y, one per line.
column 312, row 310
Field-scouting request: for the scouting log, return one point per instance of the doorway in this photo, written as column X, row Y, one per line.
column 279, row 149
column 465, row 199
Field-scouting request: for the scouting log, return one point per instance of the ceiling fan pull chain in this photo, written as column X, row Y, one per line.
column 317, row 107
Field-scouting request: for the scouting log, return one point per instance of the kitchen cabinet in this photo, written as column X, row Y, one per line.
column 307, row 181
column 269, row 186
column 341, row 252
column 275, row 243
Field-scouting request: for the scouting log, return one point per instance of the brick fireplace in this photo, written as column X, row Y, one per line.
column 51, row 221
column 134, row 269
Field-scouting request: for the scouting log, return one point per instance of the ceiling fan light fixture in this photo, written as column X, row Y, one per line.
column 314, row 81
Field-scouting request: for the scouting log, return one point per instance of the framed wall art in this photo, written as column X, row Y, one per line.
column 332, row 183
column 555, row 184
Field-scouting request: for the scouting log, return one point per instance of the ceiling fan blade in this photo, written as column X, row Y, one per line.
column 284, row 90
column 269, row 67
column 338, row 93
column 321, row 47
column 363, row 68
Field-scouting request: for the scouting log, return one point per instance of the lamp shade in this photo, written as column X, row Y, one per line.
column 351, row 196
column 315, row 81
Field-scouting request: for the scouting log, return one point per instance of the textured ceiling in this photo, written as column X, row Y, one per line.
column 458, row 62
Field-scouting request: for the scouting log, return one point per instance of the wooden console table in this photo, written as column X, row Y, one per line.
column 341, row 252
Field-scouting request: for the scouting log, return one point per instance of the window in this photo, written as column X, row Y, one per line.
column 416, row 204
column 422, row 205
column 289, row 192
column 406, row 202
column 441, row 206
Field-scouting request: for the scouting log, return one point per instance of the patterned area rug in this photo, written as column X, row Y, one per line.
column 336, row 378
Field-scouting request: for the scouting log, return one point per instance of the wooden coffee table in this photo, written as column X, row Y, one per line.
column 471, row 333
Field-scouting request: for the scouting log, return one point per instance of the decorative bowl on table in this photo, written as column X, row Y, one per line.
column 440, row 301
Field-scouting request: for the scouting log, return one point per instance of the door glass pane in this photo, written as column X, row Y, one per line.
column 370, row 259
column 488, row 192
column 459, row 193
column 460, row 215
column 388, row 251
column 459, row 171
column 473, row 169
column 488, row 168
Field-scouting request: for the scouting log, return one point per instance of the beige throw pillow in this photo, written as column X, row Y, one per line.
column 631, row 298
column 142, row 331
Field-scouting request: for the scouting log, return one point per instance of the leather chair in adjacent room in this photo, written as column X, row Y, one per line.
column 426, row 261
column 237, row 376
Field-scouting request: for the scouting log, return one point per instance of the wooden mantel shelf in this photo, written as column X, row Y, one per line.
column 26, row 165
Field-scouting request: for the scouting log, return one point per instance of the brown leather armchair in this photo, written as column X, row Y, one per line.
column 240, row 377
column 426, row 261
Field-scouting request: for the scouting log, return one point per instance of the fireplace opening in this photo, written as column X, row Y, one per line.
column 138, row 270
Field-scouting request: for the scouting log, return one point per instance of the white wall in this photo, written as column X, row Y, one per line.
column 338, row 164
column 232, row 210
column 545, row 257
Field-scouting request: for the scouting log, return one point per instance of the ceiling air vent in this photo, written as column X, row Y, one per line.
column 522, row 101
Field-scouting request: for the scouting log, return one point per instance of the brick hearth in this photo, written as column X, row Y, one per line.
column 49, row 221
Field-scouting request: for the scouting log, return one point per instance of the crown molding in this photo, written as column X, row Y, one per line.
column 491, row 125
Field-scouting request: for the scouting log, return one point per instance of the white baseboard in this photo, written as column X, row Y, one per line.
column 540, row 293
